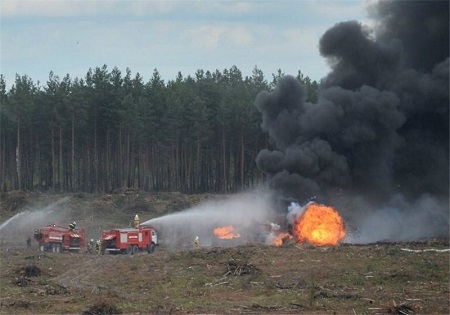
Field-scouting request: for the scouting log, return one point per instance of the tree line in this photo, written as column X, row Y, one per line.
column 110, row 131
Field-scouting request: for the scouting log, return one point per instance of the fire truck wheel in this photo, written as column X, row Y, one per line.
column 135, row 249
column 56, row 248
column 130, row 250
column 151, row 248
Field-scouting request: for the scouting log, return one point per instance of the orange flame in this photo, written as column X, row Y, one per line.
column 320, row 225
column 226, row 232
column 280, row 238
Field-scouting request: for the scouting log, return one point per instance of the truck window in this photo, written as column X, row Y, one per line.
column 146, row 233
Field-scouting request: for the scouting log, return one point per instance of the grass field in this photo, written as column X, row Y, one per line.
column 347, row 279
column 381, row 278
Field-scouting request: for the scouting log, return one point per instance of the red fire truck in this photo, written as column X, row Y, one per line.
column 59, row 238
column 129, row 240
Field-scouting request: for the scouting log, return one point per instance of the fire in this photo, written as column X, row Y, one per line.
column 279, row 239
column 320, row 225
column 226, row 232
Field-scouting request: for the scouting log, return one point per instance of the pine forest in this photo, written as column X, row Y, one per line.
column 111, row 131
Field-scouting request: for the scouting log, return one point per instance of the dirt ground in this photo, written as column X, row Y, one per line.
column 381, row 278
column 254, row 279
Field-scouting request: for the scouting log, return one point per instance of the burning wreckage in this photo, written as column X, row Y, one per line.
column 314, row 224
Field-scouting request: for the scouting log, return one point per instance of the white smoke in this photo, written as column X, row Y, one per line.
column 295, row 210
column 249, row 213
column 22, row 225
column 400, row 220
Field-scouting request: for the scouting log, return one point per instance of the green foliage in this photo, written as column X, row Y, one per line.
column 110, row 131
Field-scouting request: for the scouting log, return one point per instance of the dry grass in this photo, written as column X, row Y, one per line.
column 372, row 279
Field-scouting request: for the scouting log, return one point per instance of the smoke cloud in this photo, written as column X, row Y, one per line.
column 379, row 132
column 249, row 213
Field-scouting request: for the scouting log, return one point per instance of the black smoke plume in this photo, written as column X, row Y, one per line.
column 380, row 128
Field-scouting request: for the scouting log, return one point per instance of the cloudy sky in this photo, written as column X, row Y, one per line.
column 69, row 37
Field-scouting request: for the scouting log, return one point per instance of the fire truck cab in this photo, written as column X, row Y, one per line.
column 59, row 238
column 129, row 240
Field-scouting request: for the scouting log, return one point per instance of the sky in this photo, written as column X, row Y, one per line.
column 69, row 37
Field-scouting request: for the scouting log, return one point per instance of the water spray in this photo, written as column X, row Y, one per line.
column 25, row 221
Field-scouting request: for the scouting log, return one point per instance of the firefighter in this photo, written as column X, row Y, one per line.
column 90, row 246
column 99, row 247
column 136, row 221
column 73, row 225
column 196, row 242
column 29, row 241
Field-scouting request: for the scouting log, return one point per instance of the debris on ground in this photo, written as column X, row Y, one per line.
column 102, row 307
column 56, row 290
column 398, row 309
column 237, row 268
column 37, row 257
column 22, row 282
column 30, row 271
